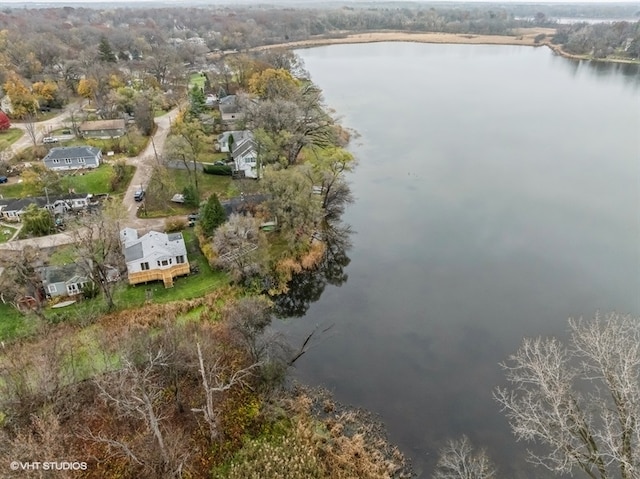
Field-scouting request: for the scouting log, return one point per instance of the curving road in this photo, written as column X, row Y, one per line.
column 144, row 167
column 43, row 128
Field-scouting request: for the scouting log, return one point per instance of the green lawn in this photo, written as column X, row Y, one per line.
column 95, row 181
column 13, row 324
column 11, row 135
column 223, row 186
column 197, row 79
column 6, row 233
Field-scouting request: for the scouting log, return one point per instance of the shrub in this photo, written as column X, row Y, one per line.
column 171, row 225
column 219, row 170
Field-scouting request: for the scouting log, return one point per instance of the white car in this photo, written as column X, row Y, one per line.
column 49, row 139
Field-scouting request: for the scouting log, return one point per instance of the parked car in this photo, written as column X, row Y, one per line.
column 3, row 179
column 49, row 139
column 178, row 198
column 138, row 195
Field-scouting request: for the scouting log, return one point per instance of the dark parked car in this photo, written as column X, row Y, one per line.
column 138, row 195
column 3, row 179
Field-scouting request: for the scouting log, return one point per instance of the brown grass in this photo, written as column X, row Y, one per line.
column 524, row 36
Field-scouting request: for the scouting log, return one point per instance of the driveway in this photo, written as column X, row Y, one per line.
column 144, row 164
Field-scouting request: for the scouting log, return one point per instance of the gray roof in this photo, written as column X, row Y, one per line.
column 237, row 135
column 133, row 252
column 70, row 273
column 63, row 152
column 245, row 146
column 154, row 242
column 18, row 204
column 102, row 125
column 242, row 204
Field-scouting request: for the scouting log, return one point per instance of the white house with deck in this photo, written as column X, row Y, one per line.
column 154, row 256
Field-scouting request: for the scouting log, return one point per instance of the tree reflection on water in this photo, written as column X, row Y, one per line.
column 307, row 287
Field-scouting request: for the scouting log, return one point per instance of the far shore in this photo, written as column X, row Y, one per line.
column 524, row 36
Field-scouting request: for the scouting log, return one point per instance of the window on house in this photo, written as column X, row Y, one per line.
column 144, row 266
column 164, row 262
column 81, row 161
column 72, row 288
column 52, row 288
column 67, row 161
column 179, row 259
column 56, row 161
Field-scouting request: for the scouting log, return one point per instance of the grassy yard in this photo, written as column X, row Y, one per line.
column 197, row 79
column 13, row 324
column 6, row 233
column 223, row 186
column 94, row 181
column 11, row 135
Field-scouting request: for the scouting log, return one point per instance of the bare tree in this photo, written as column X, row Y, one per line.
column 582, row 402
column 216, row 379
column 31, row 128
column 458, row 460
column 97, row 249
column 135, row 390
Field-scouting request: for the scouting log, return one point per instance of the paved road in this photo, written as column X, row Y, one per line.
column 144, row 168
column 43, row 128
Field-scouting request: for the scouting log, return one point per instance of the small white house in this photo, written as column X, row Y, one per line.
column 245, row 159
column 230, row 140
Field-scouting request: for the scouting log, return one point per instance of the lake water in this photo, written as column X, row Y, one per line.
column 497, row 194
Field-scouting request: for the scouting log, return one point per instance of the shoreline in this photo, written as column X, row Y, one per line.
column 524, row 37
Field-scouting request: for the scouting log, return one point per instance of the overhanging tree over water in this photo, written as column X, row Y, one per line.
column 580, row 401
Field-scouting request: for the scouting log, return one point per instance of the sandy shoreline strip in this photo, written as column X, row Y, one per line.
column 524, row 36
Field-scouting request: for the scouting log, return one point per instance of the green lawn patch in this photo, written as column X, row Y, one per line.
column 186, row 287
column 11, row 135
column 223, row 186
column 96, row 181
column 198, row 79
column 6, row 233
column 13, row 324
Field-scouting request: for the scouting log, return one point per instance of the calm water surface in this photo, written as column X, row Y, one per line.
column 497, row 195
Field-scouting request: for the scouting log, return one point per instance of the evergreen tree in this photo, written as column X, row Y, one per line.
column 212, row 216
column 197, row 101
column 105, row 52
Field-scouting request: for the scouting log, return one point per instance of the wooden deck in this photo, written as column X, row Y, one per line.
column 165, row 275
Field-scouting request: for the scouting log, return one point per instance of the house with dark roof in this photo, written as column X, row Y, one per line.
column 67, row 280
column 245, row 159
column 11, row 209
column 154, row 257
column 72, row 157
column 229, row 109
column 103, row 129
column 243, row 204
